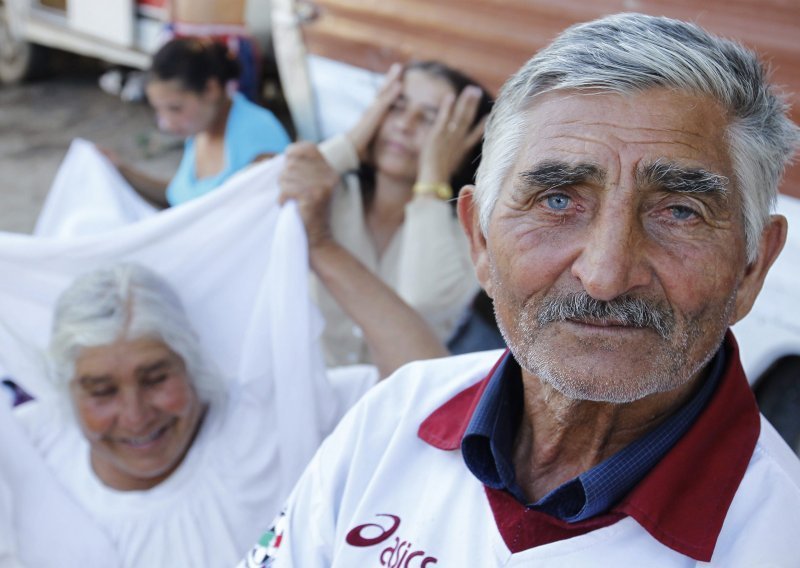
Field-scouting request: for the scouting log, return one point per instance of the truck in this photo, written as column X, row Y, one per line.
column 120, row 32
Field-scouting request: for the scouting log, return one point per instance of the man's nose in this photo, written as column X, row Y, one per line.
column 612, row 260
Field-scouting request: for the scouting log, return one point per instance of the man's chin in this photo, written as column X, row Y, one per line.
column 604, row 375
column 578, row 389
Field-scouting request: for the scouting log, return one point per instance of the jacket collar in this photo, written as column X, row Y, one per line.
column 680, row 508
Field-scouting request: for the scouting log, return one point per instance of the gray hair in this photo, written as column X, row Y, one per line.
column 128, row 301
column 629, row 53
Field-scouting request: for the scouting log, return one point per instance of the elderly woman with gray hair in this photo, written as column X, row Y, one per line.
column 174, row 462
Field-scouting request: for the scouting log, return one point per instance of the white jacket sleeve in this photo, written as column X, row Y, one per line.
column 303, row 535
column 435, row 272
column 340, row 154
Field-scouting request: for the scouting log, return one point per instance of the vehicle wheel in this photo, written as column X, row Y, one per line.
column 19, row 59
column 778, row 394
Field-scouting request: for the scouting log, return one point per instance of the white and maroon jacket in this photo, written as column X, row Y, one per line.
column 389, row 488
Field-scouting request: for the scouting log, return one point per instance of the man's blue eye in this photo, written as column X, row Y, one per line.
column 681, row 213
column 557, row 201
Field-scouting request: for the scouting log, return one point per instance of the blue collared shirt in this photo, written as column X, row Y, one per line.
column 488, row 443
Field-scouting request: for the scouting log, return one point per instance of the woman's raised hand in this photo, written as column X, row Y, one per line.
column 310, row 180
column 111, row 155
column 364, row 131
column 452, row 135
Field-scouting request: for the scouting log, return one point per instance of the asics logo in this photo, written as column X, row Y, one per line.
column 399, row 554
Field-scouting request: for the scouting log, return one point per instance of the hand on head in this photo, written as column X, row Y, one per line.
column 362, row 134
column 310, row 180
column 453, row 134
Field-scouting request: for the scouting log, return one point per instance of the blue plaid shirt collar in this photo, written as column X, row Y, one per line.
column 487, row 447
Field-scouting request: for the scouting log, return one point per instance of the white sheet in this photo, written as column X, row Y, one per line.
column 88, row 196
column 240, row 265
column 40, row 524
column 772, row 329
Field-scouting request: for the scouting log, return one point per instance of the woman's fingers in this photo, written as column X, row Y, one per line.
column 364, row 131
column 466, row 107
column 444, row 118
column 476, row 132
column 310, row 180
column 451, row 136
column 306, row 176
column 456, row 116
column 391, row 78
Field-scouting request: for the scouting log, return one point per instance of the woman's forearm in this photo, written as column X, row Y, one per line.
column 152, row 189
column 394, row 332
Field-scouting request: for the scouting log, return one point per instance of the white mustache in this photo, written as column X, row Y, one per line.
column 625, row 310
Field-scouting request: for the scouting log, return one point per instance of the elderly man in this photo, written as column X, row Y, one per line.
column 620, row 221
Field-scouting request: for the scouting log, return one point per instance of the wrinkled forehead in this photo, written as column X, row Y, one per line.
column 621, row 134
column 122, row 356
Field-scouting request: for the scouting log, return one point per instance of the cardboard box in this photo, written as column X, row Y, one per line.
column 209, row 11
column 55, row 4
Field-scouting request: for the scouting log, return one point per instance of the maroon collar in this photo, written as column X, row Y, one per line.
column 682, row 502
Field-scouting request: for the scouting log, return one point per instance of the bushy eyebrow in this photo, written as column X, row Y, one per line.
column 554, row 174
column 679, row 179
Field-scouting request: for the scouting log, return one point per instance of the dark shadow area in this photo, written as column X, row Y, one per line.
column 778, row 395
column 478, row 329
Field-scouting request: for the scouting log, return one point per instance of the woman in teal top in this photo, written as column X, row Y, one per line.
column 187, row 88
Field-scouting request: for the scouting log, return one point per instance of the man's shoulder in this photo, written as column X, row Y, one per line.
column 765, row 512
column 774, row 456
column 395, row 408
column 425, row 385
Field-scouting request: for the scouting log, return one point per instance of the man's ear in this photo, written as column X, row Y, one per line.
column 468, row 215
column 773, row 237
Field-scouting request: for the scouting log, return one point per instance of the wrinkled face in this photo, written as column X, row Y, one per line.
column 138, row 410
column 180, row 111
column 615, row 253
column 408, row 123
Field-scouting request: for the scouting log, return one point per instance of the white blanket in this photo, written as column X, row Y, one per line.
column 88, row 196
column 239, row 263
column 772, row 329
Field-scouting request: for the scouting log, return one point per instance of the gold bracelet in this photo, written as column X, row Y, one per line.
column 440, row 189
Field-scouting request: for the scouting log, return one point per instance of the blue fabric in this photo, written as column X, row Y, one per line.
column 250, row 68
column 17, row 393
column 251, row 130
column 488, row 443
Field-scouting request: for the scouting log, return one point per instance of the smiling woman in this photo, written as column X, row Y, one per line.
column 174, row 463
column 138, row 410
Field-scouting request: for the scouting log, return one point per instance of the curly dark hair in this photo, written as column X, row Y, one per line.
column 193, row 61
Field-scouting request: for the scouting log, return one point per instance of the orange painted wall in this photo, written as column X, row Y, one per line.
column 490, row 39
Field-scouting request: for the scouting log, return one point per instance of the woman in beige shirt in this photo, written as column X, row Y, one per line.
column 382, row 191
